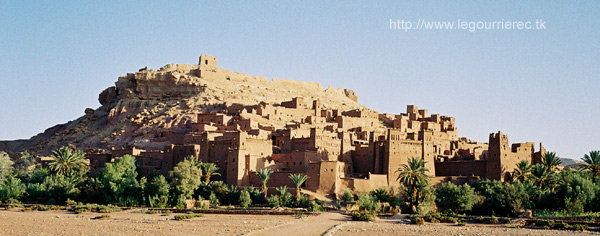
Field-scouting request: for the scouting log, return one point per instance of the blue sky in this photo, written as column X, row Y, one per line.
column 534, row 85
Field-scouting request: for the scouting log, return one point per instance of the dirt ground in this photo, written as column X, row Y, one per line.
column 16, row 222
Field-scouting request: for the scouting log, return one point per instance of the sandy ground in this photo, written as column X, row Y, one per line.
column 15, row 222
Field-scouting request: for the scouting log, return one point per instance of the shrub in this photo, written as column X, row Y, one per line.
column 347, row 196
column 245, row 199
column 214, row 201
column 561, row 225
column 418, row 221
column 273, row 201
column 544, row 223
column 368, row 203
column 363, row 216
column 285, row 198
column 314, row 206
column 381, row 195
column 578, row 227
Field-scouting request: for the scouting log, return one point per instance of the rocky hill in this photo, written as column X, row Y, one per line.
column 147, row 102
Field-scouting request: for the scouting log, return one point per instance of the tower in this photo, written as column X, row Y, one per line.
column 497, row 151
column 207, row 61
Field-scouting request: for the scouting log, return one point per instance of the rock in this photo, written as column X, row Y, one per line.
column 107, row 96
column 526, row 214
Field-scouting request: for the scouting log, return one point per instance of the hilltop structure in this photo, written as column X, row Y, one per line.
column 244, row 123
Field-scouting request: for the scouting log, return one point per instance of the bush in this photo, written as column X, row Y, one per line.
column 347, row 196
column 381, row 195
column 418, row 221
column 368, row 203
column 578, row 227
column 286, row 199
column 561, row 225
column 245, row 199
column 189, row 215
column 545, row 223
column 363, row 216
column 314, row 206
column 273, row 201
column 450, row 197
column 214, row 201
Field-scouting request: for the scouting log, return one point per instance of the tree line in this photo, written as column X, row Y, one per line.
column 68, row 177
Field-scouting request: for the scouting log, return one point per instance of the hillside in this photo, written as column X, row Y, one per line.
column 147, row 102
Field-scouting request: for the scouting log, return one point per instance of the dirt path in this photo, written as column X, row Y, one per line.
column 312, row 225
column 15, row 222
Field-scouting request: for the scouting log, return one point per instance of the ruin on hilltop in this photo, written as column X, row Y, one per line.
column 245, row 123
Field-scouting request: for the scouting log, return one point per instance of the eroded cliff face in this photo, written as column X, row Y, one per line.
column 143, row 104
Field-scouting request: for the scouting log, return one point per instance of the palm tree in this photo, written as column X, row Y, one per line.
column 298, row 180
column 551, row 161
column 67, row 162
column 591, row 162
column 414, row 177
column 209, row 169
column 264, row 176
column 541, row 175
column 523, row 171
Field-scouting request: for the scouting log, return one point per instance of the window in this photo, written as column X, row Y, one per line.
column 206, row 62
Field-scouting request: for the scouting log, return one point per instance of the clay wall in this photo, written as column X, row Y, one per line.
column 461, row 168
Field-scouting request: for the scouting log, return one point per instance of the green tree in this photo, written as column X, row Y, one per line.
column 68, row 162
column 59, row 188
column 11, row 189
column 298, row 179
column 187, row 177
column 5, row 164
column 118, row 181
column 450, row 197
column 414, row 177
column 264, row 176
column 157, row 191
column 591, row 162
column 576, row 193
column 522, row 172
column 209, row 169
column 551, row 161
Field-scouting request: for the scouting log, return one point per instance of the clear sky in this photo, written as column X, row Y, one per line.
column 534, row 85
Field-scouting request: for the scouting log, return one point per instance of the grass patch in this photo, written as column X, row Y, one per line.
column 101, row 217
column 363, row 216
column 80, row 208
column 189, row 215
column 548, row 213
